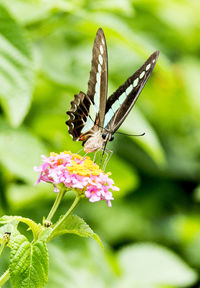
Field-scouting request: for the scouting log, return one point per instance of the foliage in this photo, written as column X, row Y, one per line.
column 45, row 54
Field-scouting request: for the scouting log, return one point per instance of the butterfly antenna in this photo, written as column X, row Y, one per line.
column 142, row 134
column 136, row 135
column 79, row 151
column 104, row 149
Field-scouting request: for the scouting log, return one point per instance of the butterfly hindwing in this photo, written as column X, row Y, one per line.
column 78, row 114
column 122, row 100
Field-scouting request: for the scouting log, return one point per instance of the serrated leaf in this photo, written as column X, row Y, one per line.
column 11, row 228
column 44, row 234
column 16, row 74
column 35, row 228
column 28, row 263
column 75, row 225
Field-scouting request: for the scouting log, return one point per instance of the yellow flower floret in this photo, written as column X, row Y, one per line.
column 67, row 152
column 86, row 168
column 53, row 154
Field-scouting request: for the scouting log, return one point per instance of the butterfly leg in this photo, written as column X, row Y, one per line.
column 108, row 156
column 95, row 153
column 85, row 154
column 79, row 151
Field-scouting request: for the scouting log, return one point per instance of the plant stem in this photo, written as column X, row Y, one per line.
column 4, row 278
column 56, row 203
column 74, row 204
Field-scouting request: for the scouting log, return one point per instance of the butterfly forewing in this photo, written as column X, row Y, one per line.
column 122, row 100
column 98, row 82
column 89, row 109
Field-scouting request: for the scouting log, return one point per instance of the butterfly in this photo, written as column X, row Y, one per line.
column 93, row 118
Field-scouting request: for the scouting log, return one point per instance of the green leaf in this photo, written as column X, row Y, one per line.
column 75, row 225
column 28, row 263
column 24, row 152
column 11, row 228
column 29, row 12
column 160, row 266
column 18, row 197
column 113, row 5
column 77, row 263
column 124, row 176
column 8, row 226
column 150, row 142
column 16, row 74
column 44, row 234
column 35, row 228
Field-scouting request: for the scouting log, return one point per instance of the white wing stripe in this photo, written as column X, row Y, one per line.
column 122, row 98
column 90, row 119
column 148, row 66
column 98, row 77
column 99, row 68
column 88, row 125
column 135, row 82
column 100, row 59
column 142, row 74
column 108, row 116
column 101, row 49
column 116, row 105
column 129, row 89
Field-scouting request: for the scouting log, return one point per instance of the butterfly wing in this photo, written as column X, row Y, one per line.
column 122, row 100
column 98, row 82
column 78, row 115
column 89, row 109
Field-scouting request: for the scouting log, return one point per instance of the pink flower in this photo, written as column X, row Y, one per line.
column 77, row 172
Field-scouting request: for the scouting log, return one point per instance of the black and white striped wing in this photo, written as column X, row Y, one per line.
column 122, row 100
column 98, row 82
column 89, row 109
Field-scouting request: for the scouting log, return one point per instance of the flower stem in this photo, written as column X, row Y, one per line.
column 56, row 203
column 4, row 278
column 74, row 204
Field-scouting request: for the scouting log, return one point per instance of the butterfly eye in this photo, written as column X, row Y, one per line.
column 111, row 138
column 104, row 135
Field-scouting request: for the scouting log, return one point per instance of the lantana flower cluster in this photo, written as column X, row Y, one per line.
column 77, row 172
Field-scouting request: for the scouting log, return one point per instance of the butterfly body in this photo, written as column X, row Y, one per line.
column 93, row 118
column 94, row 143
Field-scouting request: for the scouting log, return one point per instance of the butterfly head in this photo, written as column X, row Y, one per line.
column 107, row 136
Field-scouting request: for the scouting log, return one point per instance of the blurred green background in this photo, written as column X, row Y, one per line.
column 152, row 232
